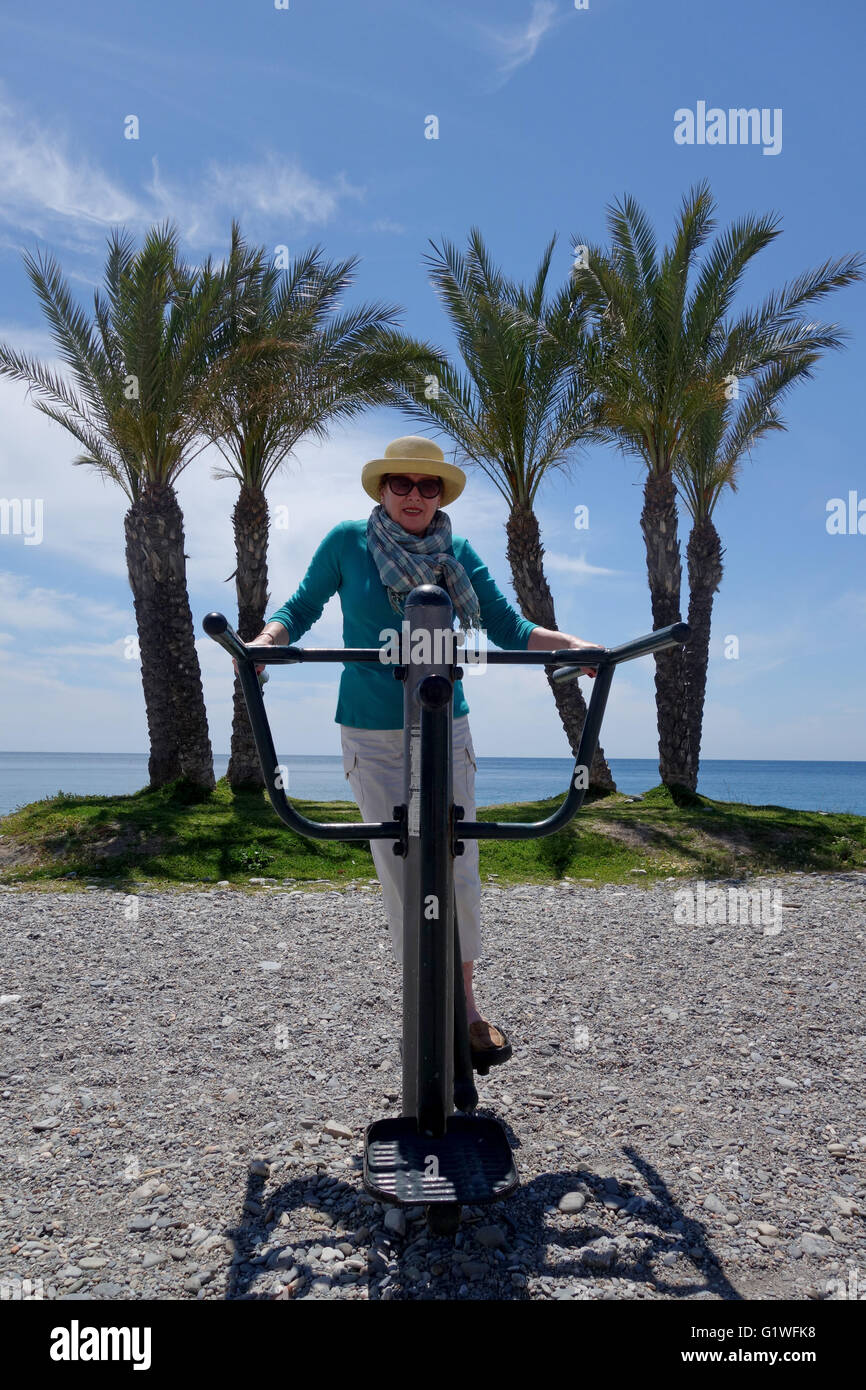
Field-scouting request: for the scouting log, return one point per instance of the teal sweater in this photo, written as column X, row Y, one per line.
column 370, row 697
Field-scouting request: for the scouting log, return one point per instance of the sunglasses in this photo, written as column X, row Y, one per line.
column 401, row 486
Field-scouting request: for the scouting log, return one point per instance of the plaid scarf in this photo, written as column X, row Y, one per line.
column 405, row 560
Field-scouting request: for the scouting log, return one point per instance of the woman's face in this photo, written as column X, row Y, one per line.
column 414, row 513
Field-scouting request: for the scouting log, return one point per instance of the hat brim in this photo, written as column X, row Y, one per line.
column 453, row 478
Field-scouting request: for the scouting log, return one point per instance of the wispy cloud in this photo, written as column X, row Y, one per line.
column 758, row 652
column 43, row 182
column 575, row 566
column 275, row 193
column 852, row 604
column 33, row 608
column 385, row 224
column 50, row 189
column 513, row 47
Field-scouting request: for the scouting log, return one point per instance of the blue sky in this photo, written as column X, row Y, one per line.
column 308, row 124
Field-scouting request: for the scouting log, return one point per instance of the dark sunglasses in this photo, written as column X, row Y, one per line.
column 401, row 486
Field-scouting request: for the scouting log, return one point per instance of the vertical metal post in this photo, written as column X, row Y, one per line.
column 428, row 888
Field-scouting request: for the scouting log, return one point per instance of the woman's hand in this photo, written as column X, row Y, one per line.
column 264, row 639
column 576, row 643
column 545, row 639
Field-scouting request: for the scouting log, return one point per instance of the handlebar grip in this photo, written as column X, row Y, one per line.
column 662, row 638
column 658, row 641
column 567, row 673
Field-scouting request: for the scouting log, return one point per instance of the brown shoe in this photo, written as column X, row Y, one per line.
column 489, row 1046
column 483, row 1035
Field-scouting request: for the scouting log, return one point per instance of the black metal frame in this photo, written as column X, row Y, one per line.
column 428, row 831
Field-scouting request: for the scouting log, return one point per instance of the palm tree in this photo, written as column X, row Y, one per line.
column 138, row 373
column 666, row 359
column 518, row 411
column 294, row 366
column 708, row 464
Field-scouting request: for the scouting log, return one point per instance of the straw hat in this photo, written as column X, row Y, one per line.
column 414, row 454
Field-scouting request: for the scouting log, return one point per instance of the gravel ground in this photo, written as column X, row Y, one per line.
column 186, row 1078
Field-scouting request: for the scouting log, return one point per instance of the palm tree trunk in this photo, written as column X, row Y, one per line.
column 704, row 557
column 250, row 520
column 659, row 525
column 164, row 762
column 525, row 556
column 155, row 551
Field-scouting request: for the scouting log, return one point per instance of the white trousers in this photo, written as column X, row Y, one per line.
column 373, row 764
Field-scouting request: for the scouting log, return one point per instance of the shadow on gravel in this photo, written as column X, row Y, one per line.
column 662, row 1229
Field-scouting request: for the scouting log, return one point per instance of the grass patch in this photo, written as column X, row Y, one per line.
column 172, row 836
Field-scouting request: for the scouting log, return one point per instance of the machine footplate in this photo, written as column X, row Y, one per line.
column 471, row 1163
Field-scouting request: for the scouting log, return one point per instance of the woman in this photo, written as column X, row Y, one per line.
column 373, row 565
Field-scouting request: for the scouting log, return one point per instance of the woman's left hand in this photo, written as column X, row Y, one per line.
column 577, row 643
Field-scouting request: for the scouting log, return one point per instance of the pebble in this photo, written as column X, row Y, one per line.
column 491, row 1237
column 395, row 1220
column 715, row 1204
column 845, row 1205
column 572, row 1202
column 337, row 1131
column 810, row 1244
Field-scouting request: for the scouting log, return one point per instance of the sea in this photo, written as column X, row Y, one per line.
column 807, row 786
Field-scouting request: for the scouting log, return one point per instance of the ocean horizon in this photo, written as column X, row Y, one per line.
column 807, row 785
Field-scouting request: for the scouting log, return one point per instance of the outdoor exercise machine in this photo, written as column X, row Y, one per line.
column 431, row 1155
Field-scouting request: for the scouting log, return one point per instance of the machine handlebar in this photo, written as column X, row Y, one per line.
column 658, row 641
column 603, row 659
